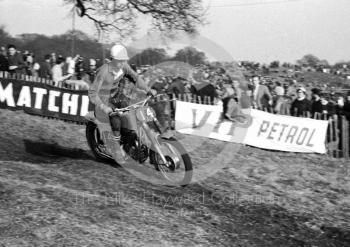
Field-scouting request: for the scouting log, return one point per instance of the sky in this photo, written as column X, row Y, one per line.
column 254, row 30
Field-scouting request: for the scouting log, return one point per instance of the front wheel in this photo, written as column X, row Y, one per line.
column 95, row 143
column 178, row 170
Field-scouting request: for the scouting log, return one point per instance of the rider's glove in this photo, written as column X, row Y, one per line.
column 106, row 109
column 152, row 92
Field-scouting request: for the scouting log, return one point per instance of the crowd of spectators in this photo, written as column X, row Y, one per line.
column 205, row 81
column 291, row 98
column 51, row 66
column 297, row 99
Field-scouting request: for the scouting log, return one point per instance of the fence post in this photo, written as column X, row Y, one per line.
column 345, row 140
column 331, row 123
column 317, row 116
column 194, row 98
column 189, row 97
column 337, row 134
column 186, row 97
column 328, row 142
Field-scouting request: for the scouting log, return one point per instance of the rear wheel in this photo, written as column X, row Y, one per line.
column 95, row 142
column 178, row 169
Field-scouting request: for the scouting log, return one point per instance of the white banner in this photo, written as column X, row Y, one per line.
column 265, row 130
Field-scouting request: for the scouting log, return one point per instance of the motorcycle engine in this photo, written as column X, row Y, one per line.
column 131, row 147
column 141, row 156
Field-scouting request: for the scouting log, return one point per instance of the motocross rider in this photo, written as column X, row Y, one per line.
column 108, row 92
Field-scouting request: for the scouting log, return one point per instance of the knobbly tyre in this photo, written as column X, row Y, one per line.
column 142, row 139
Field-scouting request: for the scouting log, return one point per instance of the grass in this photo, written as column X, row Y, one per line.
column 53, row 193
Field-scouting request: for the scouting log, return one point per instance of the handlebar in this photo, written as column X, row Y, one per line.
column 141, row 103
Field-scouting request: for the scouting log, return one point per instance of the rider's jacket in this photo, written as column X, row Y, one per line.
column 108, row 86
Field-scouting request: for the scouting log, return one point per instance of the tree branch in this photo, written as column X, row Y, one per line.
column 120, row 15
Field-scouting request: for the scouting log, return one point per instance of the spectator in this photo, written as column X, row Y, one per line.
column 279, row 98
column 200, row 87
column 291, row 90
column 66, row 67
column 301, row 105
column 309, row 91
column 92, row 70
column 279, row 89
column 36, row 68
column 316, row 104
column 285, row 87
column 133, row 66
column 239, row 93
column 177, row 86
column 242, row 93
column 206, row 90
column 25, row 55
column 345, row 109
column 57, row 72
column 79, row 67
column 29, row 61
column 3, row 51
column 188, row 86
column 286, row 105
column 71, row 65
column 328, row 107
column 4, row 64
column 262, row 98
column 45, row 68
column 16, row 63
column 53, row 59
column 159, row 86
column 228, row 101
column 32, row 66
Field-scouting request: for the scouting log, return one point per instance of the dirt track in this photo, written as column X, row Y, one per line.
column 53, row 193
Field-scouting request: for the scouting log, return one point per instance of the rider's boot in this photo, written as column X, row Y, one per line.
column 114, row 148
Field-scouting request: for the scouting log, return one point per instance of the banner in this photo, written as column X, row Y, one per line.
column 264, row 130
column 44, row 100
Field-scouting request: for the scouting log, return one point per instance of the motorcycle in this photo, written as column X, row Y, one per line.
column 143, row 138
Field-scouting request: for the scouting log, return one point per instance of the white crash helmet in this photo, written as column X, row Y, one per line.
column 119, row 52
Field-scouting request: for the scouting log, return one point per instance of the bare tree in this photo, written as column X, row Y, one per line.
column 121, row 15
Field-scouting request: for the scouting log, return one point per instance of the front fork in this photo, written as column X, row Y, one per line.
column 153, row 137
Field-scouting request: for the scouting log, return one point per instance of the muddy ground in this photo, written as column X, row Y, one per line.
column 53, row 193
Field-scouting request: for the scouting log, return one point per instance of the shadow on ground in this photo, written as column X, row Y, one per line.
column 55, row 150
